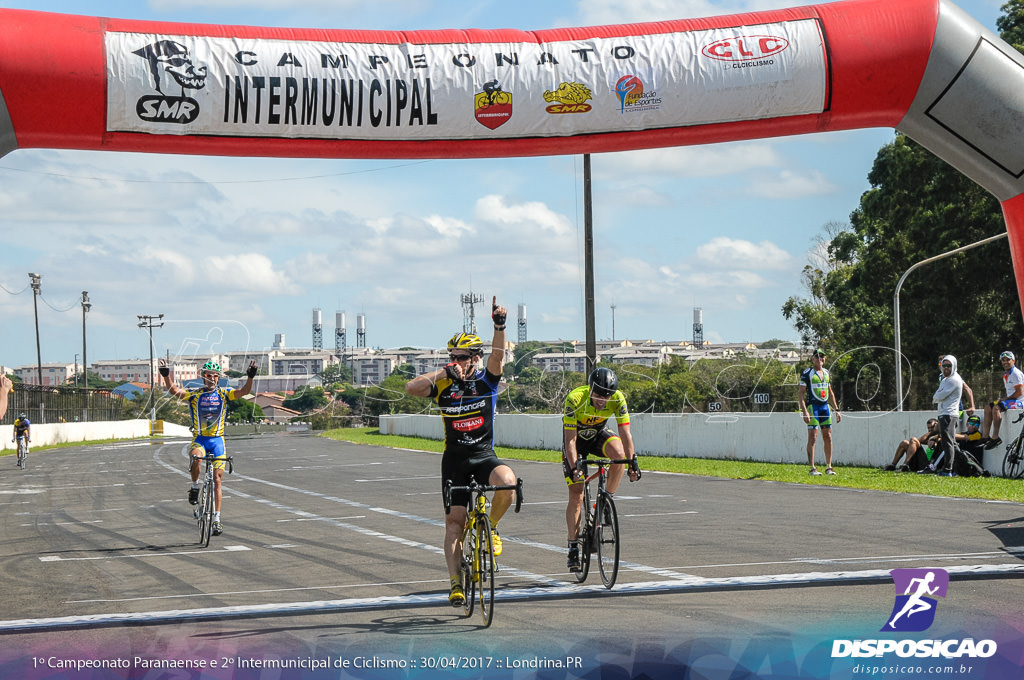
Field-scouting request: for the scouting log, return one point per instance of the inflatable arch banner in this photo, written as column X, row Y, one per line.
column 923, row 67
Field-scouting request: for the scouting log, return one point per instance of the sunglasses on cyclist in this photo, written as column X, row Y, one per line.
column 460, row 357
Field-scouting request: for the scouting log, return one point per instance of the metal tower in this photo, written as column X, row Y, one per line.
column 339, row 333
column 360, row 330
column 468, row 300
column 521, row 338
column 318, row 329
column 698, row 327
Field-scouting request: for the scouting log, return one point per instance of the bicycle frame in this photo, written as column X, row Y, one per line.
column 22, row 450
column 478, row 566
column 207, row 498
column 1013, row 460
column 598, row 529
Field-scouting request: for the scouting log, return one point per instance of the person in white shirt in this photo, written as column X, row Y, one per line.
column 1013, row 382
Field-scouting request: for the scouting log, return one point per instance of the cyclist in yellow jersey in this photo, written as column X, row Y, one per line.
column 208, row 408
column 587, row 409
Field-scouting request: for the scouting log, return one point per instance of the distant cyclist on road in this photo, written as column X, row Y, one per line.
column 208, row 408
column 468, row 398
column 587, row 410
column 22, row 428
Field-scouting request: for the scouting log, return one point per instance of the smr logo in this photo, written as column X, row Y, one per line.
column 172, row 58
column 914, row 609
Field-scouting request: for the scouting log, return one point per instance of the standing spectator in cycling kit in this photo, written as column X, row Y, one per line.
column 587, row 410
column 22, row 428
column 468, row 396
column 5, row 389
column 816, row 392
column 208, row 408
column 1013, row 382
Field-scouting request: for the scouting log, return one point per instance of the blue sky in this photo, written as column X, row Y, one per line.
column 235, row 250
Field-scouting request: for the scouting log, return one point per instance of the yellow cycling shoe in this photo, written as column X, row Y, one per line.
column 456, row 597
column 496, row 542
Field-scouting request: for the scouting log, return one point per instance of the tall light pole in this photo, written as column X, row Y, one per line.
column 588, row 267
column 86, row 305
column 896, row 306
column 146, row 321
column 36, row 283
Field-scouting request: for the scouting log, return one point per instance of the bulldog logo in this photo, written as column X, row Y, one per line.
column 173, row 59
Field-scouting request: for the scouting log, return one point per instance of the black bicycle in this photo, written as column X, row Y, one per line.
column 598, row 529
column 478, row 566
column 203, row 510
column 1013, row 461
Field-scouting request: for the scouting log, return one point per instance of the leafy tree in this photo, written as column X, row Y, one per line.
column 306, row 400
column 336, row 373
column 243, row 411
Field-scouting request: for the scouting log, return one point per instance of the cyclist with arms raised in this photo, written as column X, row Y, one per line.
column 467, row 396
column 208, row 407
column 587, row 410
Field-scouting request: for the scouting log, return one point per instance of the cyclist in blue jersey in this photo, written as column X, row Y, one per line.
column 467, row 396
column 208, row 408
column 815, row 395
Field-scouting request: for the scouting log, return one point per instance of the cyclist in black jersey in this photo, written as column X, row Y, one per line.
column 467, row 396
column 5, row 388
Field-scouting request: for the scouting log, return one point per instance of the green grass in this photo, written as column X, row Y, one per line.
column 63, row 445
column 988, row 488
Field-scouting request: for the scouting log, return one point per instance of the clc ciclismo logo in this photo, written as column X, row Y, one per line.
column 914, row 611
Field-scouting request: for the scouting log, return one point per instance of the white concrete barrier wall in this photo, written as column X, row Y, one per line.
column 861, row 439
column 62, row 433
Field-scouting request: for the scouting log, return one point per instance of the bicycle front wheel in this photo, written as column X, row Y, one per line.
column 607, row 530
column 584, row 531
column 21, row 454
column 205, row 515
column 485, row 547
column 1013, row 466
column 467, row 572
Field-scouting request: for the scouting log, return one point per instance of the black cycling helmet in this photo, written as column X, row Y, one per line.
column 603, row 382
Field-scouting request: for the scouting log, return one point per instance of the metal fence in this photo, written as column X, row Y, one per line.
column 63, row 405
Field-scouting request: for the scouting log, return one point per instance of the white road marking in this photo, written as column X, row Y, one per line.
column 58, row 558
column 566, row 591
column 659, row 514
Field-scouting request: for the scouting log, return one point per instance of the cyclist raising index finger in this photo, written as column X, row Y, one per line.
column 208, row 408
column 587, row 410
column 467, row 396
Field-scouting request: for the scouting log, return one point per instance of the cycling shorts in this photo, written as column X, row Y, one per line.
column 461, row 469
column 821, row 416
column 594, row 446
column 1010, row 405
column 213, row 446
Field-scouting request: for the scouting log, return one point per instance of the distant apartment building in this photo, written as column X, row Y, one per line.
column 53, row 374
column 561, row 361
column 300, row 362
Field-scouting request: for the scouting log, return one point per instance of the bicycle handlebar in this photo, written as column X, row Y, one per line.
column 475, row 488
column 210, row 459
column 1018, row 419
column 633, row 463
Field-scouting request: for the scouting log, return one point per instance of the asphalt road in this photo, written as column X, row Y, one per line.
column 331, row 552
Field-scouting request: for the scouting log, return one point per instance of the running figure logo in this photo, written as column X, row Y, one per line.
column 914, row 609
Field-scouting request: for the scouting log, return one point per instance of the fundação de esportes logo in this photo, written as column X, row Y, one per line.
column 913, row 611
column 171, row 58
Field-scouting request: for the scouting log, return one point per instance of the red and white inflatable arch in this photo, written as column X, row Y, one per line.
column 921, row 66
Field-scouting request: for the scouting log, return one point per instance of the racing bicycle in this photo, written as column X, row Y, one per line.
column 22, row 450
column 1013, row 461
column 478, row 566
column 598, row 529
column 203, row 510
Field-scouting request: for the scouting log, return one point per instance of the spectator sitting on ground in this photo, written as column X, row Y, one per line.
column 916, row 450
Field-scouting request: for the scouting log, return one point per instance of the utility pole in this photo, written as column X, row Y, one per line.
column 86, row 306
column 588, row 267
column 146, row 321
column 35, row 280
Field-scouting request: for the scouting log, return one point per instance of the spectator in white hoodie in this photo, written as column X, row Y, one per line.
column 948, row 397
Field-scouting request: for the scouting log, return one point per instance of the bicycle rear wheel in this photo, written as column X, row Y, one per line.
column 1013, row 466
column 486, row 551
column 607, row 530
column 468, row 573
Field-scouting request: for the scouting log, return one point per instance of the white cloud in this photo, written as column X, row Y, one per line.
column 722, row 252
column 251, row 272
column 533, row 216
column 616, row 12
column 790, row 185
column 691, row 161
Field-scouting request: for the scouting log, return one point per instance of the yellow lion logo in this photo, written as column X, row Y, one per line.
column 569, row 93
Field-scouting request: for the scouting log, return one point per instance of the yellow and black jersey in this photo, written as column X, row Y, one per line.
column 468, row 408
column 580, row 414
